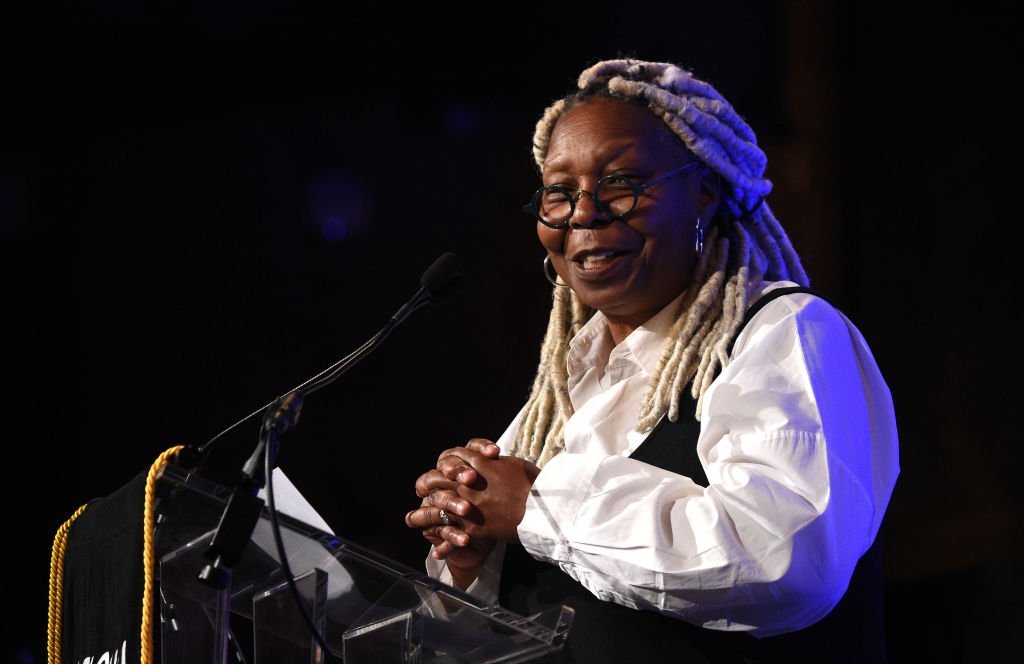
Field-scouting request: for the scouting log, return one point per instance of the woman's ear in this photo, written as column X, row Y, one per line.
column 710, row 192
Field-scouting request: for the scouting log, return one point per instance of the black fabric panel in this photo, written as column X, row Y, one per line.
column 103, row 577
column 672, row 445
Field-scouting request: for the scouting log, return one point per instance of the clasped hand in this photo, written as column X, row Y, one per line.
column 483, row 495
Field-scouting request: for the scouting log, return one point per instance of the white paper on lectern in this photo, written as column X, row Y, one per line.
column 288, row 500
column 303, row 554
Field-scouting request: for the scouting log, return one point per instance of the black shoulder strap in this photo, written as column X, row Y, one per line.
column 765, row 299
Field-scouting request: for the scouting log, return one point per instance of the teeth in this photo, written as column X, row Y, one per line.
column 591, row 259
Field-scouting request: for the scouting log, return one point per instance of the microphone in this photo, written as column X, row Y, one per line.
column 441, row 280
column 440, row 273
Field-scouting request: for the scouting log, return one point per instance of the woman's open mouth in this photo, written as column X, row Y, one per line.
column 596, row 259
column 597, row 263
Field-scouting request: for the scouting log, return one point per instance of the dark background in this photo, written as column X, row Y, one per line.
column 202, row 206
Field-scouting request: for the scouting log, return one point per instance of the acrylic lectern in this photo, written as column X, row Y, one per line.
column 370, row 610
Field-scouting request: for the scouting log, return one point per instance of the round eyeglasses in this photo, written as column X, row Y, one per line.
column 615, row 196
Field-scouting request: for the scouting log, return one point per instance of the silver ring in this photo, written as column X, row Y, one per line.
column 445, row 520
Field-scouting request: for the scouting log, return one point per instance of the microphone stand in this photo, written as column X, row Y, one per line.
column 244, row 507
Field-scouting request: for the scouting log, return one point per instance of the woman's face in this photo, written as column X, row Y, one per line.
column 632, row 267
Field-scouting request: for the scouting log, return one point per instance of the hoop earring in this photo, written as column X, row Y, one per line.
column 550, row 274
column 699, row 244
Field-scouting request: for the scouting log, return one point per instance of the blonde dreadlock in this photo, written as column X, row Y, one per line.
column 746, row 246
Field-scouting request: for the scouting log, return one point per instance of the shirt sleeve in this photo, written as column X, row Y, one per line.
column 485, row 587
column 799, row 445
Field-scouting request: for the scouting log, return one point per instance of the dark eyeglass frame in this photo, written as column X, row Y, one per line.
column 533, row 209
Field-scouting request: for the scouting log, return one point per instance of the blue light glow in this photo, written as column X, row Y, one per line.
column 334, row 229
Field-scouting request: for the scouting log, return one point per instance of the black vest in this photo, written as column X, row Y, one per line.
column 607, row 632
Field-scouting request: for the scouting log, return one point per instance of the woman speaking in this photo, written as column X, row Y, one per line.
column 708, row 449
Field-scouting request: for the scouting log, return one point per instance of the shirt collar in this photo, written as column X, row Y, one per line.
column 593, row 344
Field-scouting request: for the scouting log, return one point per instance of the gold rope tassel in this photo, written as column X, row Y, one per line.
column 54, row 621
column 148, row 560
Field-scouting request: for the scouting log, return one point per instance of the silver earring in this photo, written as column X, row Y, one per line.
column 699, row 245
column 550, row 274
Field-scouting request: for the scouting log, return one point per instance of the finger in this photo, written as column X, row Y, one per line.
column 430, row 536
column 484, row 447
column 447, row 534
column 442, row 550
column 445, row 549
column 433, row 480
column 449, row 501
column 457, row 465
column 423, row 517
column 430, row 517
column 447, row 546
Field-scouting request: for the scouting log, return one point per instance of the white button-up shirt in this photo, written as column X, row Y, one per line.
column 798, row 441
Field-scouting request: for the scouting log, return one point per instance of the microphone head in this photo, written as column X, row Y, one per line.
column 450, row 290
column 438, row 275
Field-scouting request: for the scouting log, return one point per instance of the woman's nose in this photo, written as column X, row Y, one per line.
column 587, row 214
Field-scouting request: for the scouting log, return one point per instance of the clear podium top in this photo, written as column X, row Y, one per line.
column 368, row 608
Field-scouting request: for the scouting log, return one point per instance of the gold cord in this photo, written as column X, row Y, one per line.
column 148, row 559
column 54, row 621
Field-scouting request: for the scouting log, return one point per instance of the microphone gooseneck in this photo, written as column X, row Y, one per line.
column 439, row 283
column 441, row 274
